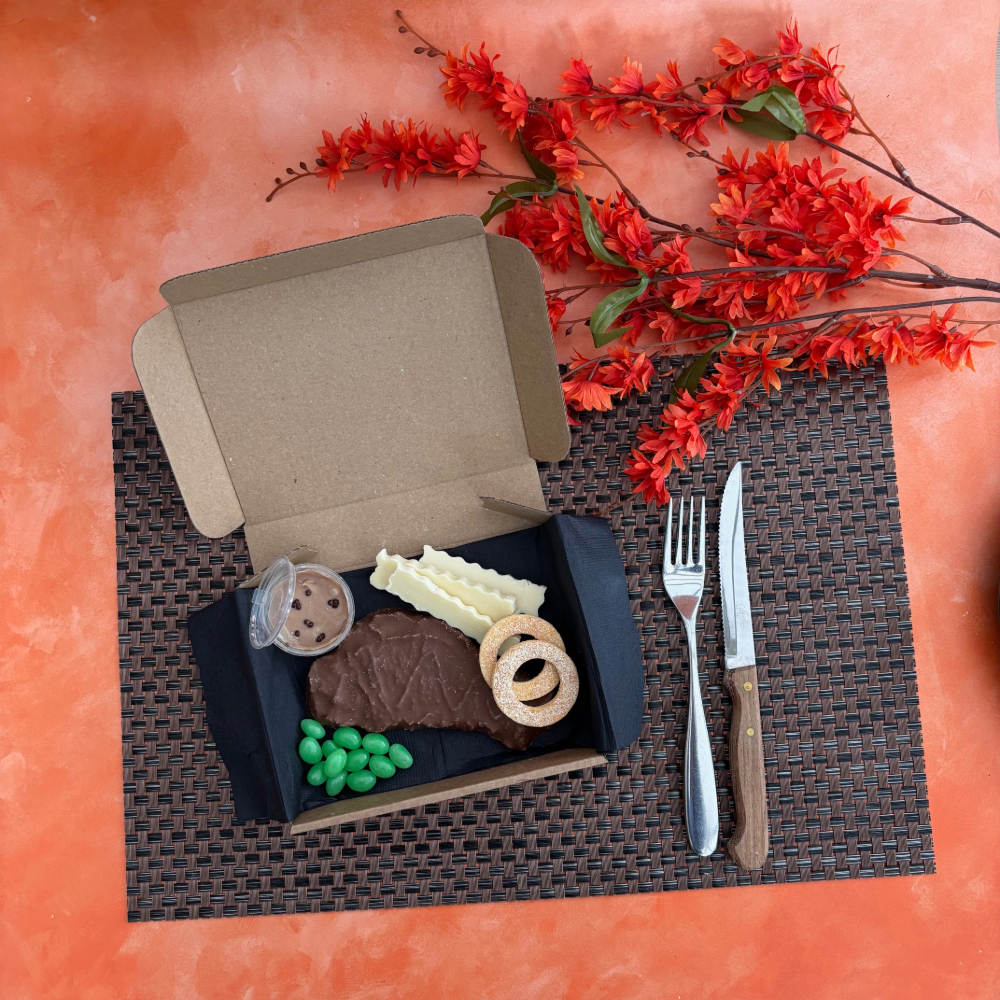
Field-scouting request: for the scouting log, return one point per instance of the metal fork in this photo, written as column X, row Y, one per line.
column 684, row 580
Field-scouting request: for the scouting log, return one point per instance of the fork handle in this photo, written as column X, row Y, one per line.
column 701, row 803
column 748, row 844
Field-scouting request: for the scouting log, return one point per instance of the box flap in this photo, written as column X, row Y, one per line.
column 184, row 427
column 319, row 257
column 360, row 393
column 532, row 353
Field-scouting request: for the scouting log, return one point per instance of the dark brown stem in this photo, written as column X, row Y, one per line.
column 291, row 180
column 908, row 277
column 700, row 154
column 432, row 50
column 896, row 165
column 874, row 311
column 965, row 217
column 948, row 220
column 933, row 268
column 621, row 184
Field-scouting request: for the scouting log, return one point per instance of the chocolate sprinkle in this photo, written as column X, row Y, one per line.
column 297, row 604
column 307, row 623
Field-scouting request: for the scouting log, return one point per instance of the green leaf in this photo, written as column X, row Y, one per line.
column 762, row 123
column 595, row 235
column 691, row 377
column 610, row 308
column 756, row 103
column 539, row 169
column 779, row 103
column 499, row 204
column 784, row 105
column 522, row 189
column 505, row 197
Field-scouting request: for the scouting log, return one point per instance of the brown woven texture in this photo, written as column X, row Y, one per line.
column 841, row 726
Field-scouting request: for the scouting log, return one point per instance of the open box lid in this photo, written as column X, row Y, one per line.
column 359, row 394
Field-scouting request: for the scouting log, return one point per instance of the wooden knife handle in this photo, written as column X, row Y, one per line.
column 749, row 843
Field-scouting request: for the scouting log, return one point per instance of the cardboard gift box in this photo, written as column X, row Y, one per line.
column 388, row 390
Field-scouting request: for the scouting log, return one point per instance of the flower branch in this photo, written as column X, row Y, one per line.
column 788, row 233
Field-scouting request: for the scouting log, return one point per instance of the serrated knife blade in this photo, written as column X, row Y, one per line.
column 737, row 624
column 749, row 844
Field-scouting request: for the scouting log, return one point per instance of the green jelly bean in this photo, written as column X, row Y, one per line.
column 361, row 781
column 381, row 766
column 328, row 747
column 348, row 738
column 335, row 785
column 400, row 756
column 309, row 750
column 356, row 760
column 316, row 775
column 375, row 743
column 335, row 763
column 312, row 728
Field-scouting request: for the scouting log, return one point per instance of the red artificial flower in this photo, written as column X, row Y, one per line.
column 549, row 229
column 789, row 44
column 626, row 234
column 810, row 347
column 630, row 82
column 336, row 155
column 844, row 349
column 950, row 346
column 755, row 76
column 752, row 364
column 360, row 138
column 675, row 260
column 717, row 398
column 668, row 325
column 729, row 53
column 891, row 340
column 476, row 74
column 550, row 137
column 512, row 109
column 462, row 156
column 679, row 434
column 631, row 238
column 579, row 82
column 631, row 325
column 686, row 118
column 648, row 477
column 394, row 152
column 557, row 309
column 587, row 390
column 628, row 370
column 679, row 437
column 606, row 111
column 565, row 160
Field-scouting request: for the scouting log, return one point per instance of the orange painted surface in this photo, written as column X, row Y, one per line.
column 140, row 139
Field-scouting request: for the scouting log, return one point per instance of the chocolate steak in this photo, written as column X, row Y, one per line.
column 408, row 670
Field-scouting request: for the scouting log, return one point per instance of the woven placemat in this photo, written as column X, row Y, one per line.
column 841, row 725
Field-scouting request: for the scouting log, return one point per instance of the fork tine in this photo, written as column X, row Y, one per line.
column 690, row 558
column 701, row 547
column 669, row 534
column 679, row 553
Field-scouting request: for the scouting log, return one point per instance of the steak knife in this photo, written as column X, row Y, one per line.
column 748, row 845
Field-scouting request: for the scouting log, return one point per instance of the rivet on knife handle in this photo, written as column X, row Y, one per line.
column 749, row 843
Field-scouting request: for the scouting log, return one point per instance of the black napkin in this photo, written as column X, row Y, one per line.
column 255, row 698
